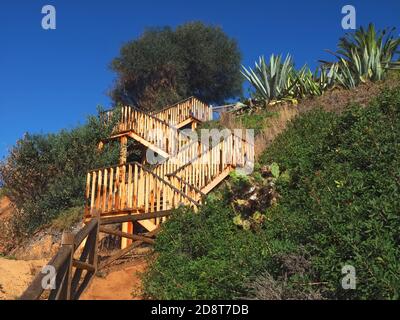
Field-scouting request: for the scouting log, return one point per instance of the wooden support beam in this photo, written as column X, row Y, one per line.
column 148, row 144
column 83, row 233
column 125, row 251
column 119, row 254
column 83, row 265
column 35, row 289
column 135, row 217
column 127, row 235
column 186, row 122
column 217, row 180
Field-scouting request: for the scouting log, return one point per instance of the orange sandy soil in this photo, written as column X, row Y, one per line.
column 120, row 282
column 16, row 275
column 123, row 284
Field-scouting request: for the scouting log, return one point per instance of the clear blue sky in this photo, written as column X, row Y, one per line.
column 51, row 80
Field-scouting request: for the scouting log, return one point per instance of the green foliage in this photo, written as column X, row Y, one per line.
column 7, row 257
column 275, row 170
column 255, row 121
column 342, row 202
column 3, row 192
column 164, row 66
column 281, row 81
column 45, row 174
column 204, row 255
column 307, row 83
column 365, row 55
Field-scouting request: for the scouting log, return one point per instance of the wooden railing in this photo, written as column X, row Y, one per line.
column 69, row 279
column 148, row 129
column 217, row 160
column 181, row 111
column 131, row 187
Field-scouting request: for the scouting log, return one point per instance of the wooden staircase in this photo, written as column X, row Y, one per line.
column 189, row 170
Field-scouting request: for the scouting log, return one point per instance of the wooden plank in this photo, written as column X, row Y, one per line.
column 148, row 144
column 125, row 251
column 84, row 232
column 83, row 265
column 132, row 218
column 126, row 235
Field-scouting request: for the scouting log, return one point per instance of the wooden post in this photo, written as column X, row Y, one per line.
column 126, row 226
column 123, row 155
column 67, row 240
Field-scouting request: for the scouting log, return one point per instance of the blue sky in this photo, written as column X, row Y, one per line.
column 53, row 79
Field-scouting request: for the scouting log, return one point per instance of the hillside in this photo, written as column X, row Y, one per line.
column 324, row 195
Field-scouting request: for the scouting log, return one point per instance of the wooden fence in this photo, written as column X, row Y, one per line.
column 72, row 275
column 181, row 111
column 214, row 163
column 132, row 187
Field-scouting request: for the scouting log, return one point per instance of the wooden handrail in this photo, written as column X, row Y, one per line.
column 68, row 282
column 172, row 105
column 35, row 290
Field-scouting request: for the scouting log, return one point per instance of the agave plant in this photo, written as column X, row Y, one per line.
column 272, row 81
column 365, row 55
column 308, row 83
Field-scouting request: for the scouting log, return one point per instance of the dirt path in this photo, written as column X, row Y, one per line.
column 124, row 284
column 16, row 275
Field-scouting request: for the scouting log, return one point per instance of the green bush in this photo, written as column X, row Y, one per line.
column 45, row 174
column 342, row 202
column 204, row 255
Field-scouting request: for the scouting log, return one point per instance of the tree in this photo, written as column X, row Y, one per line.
column 164, row 66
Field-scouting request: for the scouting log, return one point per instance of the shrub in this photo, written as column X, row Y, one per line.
column 338, row 205
column 45, row 174
column 204, row 255
column 342, row 202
